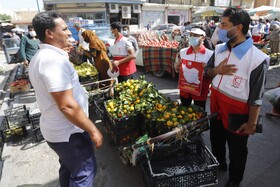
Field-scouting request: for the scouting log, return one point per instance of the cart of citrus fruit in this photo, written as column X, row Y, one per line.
column 138, row 108
column 156, row 132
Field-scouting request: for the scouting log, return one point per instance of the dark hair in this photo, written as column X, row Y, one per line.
column 238, row 16
column 126, row 26
column 43, row 21
column 117, row 25
column 30, row 27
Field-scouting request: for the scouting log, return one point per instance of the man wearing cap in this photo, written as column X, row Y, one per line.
column 193, row 60
column 238, row 69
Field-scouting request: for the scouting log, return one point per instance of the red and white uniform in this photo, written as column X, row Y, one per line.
column 230, row 94
column 202, row 56
column 119, row 51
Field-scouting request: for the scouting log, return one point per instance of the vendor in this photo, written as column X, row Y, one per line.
column 177, row 33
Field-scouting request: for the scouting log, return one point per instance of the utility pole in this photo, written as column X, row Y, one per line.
column 38, row 6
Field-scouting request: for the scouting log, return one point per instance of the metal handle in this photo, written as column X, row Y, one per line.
column 174, row 132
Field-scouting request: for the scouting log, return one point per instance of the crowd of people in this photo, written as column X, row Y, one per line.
column 221, row 54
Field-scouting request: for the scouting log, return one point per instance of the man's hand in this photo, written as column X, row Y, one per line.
column 25, row 62
column 97, row 138
column 225, row 69
column 115, row 65
column 247, row 128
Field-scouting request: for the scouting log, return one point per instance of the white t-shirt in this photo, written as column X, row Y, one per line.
column 81, row 39
column 258, row 30
column 51, row 71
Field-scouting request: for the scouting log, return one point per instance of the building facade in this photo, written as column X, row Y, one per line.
column 138, row 13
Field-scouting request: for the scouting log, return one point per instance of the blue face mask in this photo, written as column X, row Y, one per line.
column 223, row 35
column 194, row 41
column 125, row 33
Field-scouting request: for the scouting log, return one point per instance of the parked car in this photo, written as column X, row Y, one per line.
column 167, row 28
column 104, row 34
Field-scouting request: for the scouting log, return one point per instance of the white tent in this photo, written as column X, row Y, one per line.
column 263, row 10
column 209, row 11
column 272, row 16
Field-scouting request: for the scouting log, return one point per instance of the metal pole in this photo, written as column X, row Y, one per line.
column 38, row 6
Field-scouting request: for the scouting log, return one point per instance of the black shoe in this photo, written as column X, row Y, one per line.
column 231, row 183
column 223, row 167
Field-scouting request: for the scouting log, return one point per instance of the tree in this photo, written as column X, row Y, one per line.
column 5, row 17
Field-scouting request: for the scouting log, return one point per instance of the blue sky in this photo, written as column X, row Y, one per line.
column 18, row 4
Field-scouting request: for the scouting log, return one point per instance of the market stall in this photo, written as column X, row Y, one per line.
column 158, row 53
column 159, row 58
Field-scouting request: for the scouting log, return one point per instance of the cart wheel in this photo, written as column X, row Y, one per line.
column 123, row 158
column 160, row 73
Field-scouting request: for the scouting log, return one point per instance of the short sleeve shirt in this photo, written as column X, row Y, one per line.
column 51, row 71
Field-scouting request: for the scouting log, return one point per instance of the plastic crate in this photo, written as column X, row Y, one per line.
column 17, row 117
column 35, row 121
column 123, row 130
column 37, row 135
column 186, row 165
column 14, row 134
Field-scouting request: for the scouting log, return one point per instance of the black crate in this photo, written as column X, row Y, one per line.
column 123, row 130
column 125, row 122
column 14, row 134
column 89, row 80
column 185, row 165
column 37, row 135
column 17, row 117
column 4, row 125
column 35, row 120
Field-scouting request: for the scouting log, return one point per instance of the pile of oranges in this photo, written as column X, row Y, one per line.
column 139, row 96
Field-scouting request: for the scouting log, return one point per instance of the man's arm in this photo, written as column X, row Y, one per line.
column 74, row 113
column 257, row 82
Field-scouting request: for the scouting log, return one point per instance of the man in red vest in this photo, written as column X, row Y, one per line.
column 123, row 54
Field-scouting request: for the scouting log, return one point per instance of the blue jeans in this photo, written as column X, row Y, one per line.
column 77, row 161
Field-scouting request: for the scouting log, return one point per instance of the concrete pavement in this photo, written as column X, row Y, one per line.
column 31, row 164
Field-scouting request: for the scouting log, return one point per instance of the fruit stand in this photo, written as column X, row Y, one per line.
column 274, row 57
column 158, row 53
column 145, row 124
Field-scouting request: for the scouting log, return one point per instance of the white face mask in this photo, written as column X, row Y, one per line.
column 32, row 33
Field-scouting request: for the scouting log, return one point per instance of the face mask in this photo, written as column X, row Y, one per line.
column 194, row 41
column 32, row 33
column 125, row 33
column 223, row 35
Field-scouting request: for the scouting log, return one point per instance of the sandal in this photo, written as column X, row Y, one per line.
column 271, row 114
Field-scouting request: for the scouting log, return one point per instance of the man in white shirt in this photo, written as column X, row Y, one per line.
column 63, row 103
column 126, row 33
